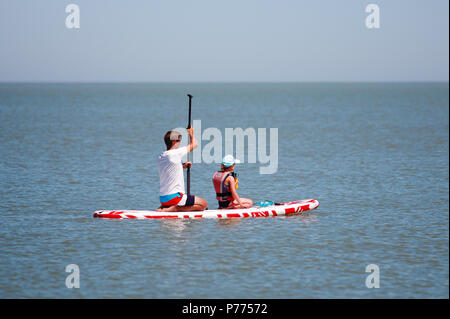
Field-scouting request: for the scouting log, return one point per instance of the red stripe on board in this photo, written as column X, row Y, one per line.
column 290, row 210
column 233, row 215
column 274, row 213
column 245, row 214
column 198, row 216
column 260, row 214
column 131, row 216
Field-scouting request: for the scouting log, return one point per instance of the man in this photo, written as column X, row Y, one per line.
column 173, row 197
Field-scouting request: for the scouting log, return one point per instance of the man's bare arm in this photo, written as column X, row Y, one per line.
column 193, row 143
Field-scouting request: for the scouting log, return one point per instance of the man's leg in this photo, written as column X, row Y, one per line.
column 171, row 204
column 172, row 208
column 192, row 203
column 198, row 205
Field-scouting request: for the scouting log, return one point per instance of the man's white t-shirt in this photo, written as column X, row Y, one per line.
column 171, row 177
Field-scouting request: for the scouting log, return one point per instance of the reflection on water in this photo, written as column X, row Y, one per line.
column 229, row 222
column 305, row 219
column 175, row 226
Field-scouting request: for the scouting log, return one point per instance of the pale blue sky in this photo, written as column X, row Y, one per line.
column 227, row 40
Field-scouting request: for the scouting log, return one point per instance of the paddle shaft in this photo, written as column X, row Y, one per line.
column 188, row 173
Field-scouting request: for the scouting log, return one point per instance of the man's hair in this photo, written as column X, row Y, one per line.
column 171, row 136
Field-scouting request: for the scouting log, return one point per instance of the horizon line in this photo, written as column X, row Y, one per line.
column 220, row 82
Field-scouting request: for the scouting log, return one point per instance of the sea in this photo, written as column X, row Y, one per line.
column 375, row 156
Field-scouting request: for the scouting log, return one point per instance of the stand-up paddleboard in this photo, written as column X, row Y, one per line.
column 282, row 209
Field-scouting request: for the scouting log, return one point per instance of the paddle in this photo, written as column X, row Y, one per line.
column 188, row 175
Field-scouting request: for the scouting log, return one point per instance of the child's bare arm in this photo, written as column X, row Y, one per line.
column 232, row 183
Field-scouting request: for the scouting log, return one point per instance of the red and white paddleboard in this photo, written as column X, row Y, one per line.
column 284, row 209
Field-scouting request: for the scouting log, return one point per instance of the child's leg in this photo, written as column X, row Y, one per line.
column 246, row 203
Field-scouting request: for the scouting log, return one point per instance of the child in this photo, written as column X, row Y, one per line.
column 225, row 183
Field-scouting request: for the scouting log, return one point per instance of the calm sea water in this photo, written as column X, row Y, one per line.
column 376, row 156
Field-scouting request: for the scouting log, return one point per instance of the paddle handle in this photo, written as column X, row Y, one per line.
column 190, row 107
column 188, row 173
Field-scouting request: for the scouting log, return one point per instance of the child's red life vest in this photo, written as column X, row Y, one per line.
column 223, row 191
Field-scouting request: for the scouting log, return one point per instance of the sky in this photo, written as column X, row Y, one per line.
column 224, row 41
